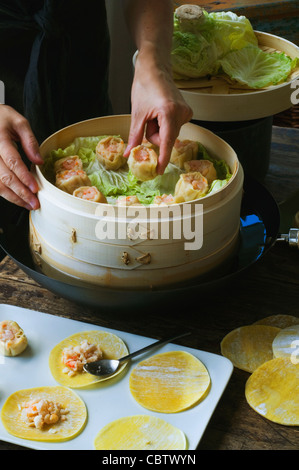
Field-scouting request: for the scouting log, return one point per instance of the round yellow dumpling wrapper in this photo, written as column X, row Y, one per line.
column 140, row 432
column 286, row 343
column 273, row 391
column 23, row 414
column 110, row 345
column 280, row 321
column 249, row 346
column 169, row 382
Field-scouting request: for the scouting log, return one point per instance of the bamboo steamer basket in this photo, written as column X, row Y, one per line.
column 220, row 100
column 66, row 243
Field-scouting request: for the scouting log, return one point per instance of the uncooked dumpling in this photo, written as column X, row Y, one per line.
column 49, row 414
column 70, row 354
column 13, row 340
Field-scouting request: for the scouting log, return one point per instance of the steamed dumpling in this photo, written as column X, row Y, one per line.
column 89, row 193
column 68, row 163
column 205, row 167
column 125, row 201
column 110, row 151
column 190, row 186
column 183, row 151
column 149, row 144
column 69, row 180
column 143, row 162
column 164, row 200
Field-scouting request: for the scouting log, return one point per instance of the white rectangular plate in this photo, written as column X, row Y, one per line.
column 107, row 401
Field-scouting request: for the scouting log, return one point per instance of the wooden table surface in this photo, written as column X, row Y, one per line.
column 270, row 287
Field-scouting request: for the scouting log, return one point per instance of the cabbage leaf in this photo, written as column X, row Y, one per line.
column 257, row 69
column 122, row 182
column 223, row 42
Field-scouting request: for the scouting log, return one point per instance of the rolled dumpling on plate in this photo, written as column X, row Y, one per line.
column 205, row 167
column 69, row 180
column 110, row 151
column 183, row 151
column 89, row 193
column 191, row 186
column 143, row 162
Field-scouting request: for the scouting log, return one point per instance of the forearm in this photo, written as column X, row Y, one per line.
column 158, row 109
column 151, row 24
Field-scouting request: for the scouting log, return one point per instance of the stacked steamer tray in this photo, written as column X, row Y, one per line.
column 242, row 116
column 64, row 239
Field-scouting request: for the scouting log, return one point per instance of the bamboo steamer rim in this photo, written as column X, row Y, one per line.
column 126, row 117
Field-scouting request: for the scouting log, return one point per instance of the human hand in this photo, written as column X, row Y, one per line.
column 17, row 184
column 158, row 110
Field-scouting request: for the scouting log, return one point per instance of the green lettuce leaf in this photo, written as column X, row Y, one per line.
column 198, row 44
column 193, row 56
column 164, row 184
column 118, row 183
column 225, row 42
column 122, row 182
column 257, row 69
column 232, row 32
column 84, row 147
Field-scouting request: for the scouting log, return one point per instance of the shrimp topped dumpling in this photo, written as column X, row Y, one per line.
column 205, row 167
column 110, row 151
column 190, row 186
column 128, row 201
column 164, row 200
column 68, row 163
column 69, row 180
column 183, row 151
column 13, row 340
column 148, row 144
column 89, row 193
column 143, row 162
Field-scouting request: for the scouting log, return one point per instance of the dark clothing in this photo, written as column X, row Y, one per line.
column 54, row 58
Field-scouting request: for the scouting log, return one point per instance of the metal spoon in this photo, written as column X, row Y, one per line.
column 106, row 367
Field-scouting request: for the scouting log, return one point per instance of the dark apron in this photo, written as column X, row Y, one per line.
column 54, row 57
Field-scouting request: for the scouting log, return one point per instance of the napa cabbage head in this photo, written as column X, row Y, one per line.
column 193, row 56
column 198, row 44
column 232, row 32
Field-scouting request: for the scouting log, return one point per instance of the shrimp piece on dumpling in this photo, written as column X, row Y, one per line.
column 110, row 151
column 205, row 167
column 183, row 151
column 149, row 144
column 72, row 162
column 143, row 162
column 190, row 186
column 124, row 201
column 89, row 193
column 164, row 200
column 69, row 180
